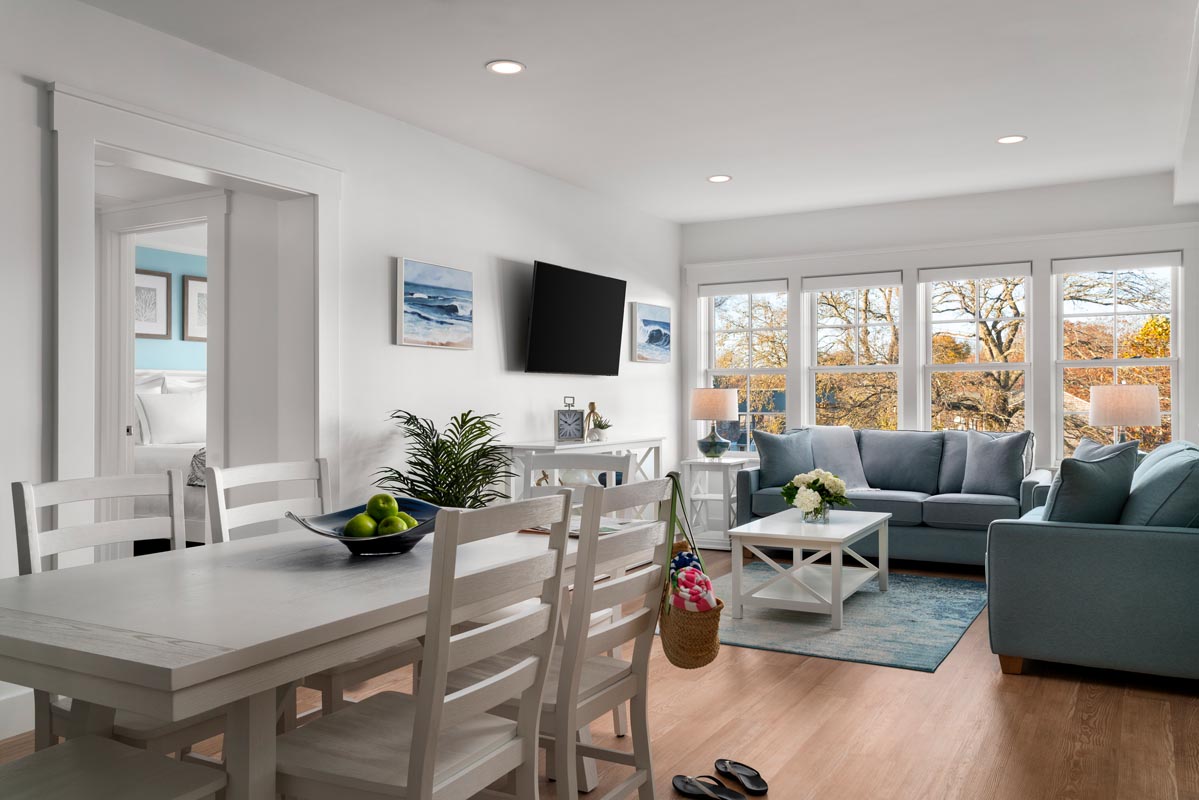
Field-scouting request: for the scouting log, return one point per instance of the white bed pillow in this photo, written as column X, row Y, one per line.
column 177, row 384
column 175, row 418
column 145, row 383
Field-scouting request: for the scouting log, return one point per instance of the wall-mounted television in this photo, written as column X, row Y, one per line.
column 575, row 322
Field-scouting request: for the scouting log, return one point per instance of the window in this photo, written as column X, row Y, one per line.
column 854, row 370
column 1116, row 326
column 747, row 351
column 975, row 355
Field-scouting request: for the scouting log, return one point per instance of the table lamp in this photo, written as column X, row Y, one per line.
column 714, row 405
column 1125, row 405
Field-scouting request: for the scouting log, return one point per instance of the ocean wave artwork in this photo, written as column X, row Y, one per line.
column 437, row 306
column 652, row 339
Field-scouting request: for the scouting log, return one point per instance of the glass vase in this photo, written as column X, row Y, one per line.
column 819, row 515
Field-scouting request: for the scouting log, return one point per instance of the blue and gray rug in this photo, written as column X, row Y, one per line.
column 913, row 625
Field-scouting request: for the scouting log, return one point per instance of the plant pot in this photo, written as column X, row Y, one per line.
column 597, row 435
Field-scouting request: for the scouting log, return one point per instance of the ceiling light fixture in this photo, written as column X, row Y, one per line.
column 505, row 66
column 1014, row 138
column 719, row 178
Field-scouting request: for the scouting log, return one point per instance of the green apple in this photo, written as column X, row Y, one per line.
column 408, row 518
column 382, row 506
column 391, row 525
column 360, row 525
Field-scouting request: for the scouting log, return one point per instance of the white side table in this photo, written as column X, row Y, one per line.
column 695, row 472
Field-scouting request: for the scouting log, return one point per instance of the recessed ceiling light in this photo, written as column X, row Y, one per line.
column 719, row 178
column 1015, row 138
column 505, row 66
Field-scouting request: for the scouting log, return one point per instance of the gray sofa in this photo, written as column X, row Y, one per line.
column 917, row 476
column 1120, row 596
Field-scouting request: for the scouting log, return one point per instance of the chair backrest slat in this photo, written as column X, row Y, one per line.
column 225, row 519
column 34, row 544
column 602, row 638
column 527, row 638
column 618, row 591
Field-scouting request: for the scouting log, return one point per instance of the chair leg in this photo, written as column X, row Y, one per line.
column 620, row 720
column 43, row 734
column 333, row 696
column 642, row 760
column 564, row 767
column 551, row 762
column 587, row 772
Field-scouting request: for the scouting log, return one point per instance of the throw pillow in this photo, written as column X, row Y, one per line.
column 1167, row 494
column 1091, row 491
column 1091, row 450
column 835, row 448
column 783, row 456
column 995, row 465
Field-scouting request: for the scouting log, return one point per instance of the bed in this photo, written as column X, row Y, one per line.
column 171, row 409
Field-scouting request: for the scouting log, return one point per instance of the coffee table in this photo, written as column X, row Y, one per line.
column 807, row 586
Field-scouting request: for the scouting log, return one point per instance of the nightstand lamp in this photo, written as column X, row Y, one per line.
column 714, row 405
column 1125, row 405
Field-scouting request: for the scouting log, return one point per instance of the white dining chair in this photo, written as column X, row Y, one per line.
column 331, row 683
column 93, row 767
column 442, row 743
column 584, row 681
column 38, row 551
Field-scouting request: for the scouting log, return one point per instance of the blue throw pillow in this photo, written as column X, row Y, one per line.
column 995, row 465
column 1091, row 491
column 783, row 456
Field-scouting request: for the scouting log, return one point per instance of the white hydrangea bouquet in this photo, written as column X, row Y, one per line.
column 815, row 492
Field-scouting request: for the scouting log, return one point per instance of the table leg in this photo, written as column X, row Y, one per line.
column 835, row 593
column 883, row 569
column 736, row 610
column 90, row 719
column 250, row 748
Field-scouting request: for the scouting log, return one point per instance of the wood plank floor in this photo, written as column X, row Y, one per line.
column 829, row 730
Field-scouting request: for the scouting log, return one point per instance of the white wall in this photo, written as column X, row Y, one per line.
column 406, row 192
column 1113, row 217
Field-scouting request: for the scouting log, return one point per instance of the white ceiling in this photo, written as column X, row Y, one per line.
column 806, row 103
column 118, row 186
column 191, row 239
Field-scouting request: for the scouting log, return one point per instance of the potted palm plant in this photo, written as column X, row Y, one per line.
column 462, row 466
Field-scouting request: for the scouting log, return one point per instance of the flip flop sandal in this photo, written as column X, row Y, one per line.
column 749, row 778
column 698, row 787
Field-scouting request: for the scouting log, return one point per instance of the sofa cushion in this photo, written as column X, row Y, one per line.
column 783, row 455
column 1091, row 491
column 906, row 461
column 1167, row 493
column 768, row 501
column 1159, row 455
column 904, row 507
column 969, row 511
column 994, row 464
column 835, row 449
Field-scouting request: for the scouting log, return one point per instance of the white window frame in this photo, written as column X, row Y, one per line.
column 812, row 287
column 1113, row 264
column 928, row 277
column 747, row 290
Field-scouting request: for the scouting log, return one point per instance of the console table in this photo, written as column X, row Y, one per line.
column 645, row 449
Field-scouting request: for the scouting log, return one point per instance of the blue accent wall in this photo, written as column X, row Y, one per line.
column 173, row 353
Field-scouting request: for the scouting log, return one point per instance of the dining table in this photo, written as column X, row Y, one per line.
column 179, row 633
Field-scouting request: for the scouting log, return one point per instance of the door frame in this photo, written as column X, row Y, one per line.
column 84, row 123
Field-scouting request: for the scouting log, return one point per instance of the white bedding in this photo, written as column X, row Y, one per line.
column 152, row 458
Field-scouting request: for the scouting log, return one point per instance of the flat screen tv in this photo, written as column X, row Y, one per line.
column 575, row 322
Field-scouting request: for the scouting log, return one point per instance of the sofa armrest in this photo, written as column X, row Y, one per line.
column 1108, row 596
column 748, row 482
column 1034, row 489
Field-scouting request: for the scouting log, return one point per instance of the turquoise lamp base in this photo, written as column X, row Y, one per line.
column 713, row 445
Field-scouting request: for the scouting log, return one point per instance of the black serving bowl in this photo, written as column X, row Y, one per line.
column 332, row 525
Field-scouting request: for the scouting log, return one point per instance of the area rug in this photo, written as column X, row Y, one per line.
column 914, row 625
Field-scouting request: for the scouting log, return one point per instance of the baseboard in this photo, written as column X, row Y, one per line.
column 16, row 710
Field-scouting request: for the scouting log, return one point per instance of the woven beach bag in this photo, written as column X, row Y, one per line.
column 690, row 639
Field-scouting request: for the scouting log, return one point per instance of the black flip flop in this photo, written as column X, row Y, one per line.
column 696, row 787
column 749, row 778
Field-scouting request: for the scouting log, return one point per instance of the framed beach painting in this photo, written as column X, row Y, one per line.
column 436, row 306
column 151, row 304
column 651, row 333
column 195, row 309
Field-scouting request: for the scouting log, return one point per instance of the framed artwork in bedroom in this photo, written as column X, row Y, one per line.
column 195, row 309
column 436, row 306
column 151, row 304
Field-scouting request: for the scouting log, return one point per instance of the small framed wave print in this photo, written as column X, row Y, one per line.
column 436, row 306
column 651, row 333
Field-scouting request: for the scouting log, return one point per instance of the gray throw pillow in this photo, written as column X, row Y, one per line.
column 1091, row 450
column 994, row 465
column 1091, row 491
column 783, row 456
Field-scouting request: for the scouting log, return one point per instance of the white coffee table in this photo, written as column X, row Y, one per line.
column 807, row 586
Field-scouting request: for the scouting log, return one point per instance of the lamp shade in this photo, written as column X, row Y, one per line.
column 1126, row 405
column 714, row 404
